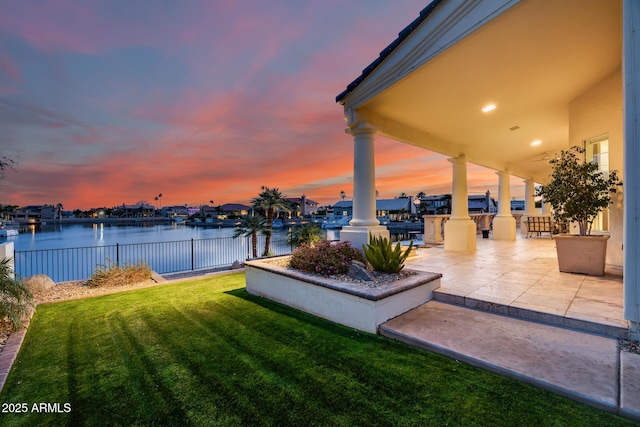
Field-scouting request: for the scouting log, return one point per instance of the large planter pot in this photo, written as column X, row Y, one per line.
column 581, row 254
column 346, row 303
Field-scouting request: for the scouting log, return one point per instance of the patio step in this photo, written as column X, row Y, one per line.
column 575, row 364
column 604, row 329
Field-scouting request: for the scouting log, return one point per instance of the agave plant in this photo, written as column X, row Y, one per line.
column 383, row 257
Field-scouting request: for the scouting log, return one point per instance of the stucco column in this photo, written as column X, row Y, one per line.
column 545, row 208
column 459, row 230
column 529, row 197
column 529, row 203
column 364, row 221
column 631, row 91
column 504, row 224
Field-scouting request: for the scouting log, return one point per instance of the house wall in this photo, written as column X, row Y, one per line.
column 596, row 112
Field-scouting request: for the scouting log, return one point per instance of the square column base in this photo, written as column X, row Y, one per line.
column 504, row 228
column 460, row 235
column 634, row 330
column 359, row 236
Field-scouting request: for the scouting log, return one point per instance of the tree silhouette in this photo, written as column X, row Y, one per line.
column 251, row 225
column 268, row 200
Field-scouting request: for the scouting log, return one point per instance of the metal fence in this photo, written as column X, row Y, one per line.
column 64, row 265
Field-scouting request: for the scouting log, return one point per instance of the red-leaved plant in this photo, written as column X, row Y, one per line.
column 325, row 258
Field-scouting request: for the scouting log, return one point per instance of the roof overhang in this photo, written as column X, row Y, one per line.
column 530, row 58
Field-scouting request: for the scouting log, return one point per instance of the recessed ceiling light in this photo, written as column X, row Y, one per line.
column 489, row 107
column 536, row 142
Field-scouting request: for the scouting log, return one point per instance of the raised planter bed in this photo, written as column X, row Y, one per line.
column 342, row 302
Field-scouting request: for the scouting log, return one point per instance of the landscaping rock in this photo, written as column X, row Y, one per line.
column 236, row 265
column 359, row 271
column 39, row 283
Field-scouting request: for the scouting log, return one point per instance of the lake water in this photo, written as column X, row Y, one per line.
column 58, row 236
column 72, row 251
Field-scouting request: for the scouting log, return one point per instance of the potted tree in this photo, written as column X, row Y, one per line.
column 578, row 191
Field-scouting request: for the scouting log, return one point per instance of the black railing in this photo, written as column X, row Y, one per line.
column 69, row 264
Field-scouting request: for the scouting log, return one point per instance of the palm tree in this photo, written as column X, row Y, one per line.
column 160, row 197
column 6, row 163
column 343, row 195
column 268, row 200
column 309, row 233
column 250, row 225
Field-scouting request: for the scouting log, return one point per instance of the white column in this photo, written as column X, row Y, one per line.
column 529, row 204
column 459, row 230
column 504, row 224
column 364, row 221
column 631, row 91
column 529, row 199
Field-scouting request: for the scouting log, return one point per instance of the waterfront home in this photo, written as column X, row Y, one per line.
column 174, row 211
column 138, row 211
column 441, row 204
column 302, row 206
column 33, row 213
column 507, row 84
column 235, row 209
column 397, row 209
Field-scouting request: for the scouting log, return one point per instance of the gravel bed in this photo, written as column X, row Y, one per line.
column 629, row 346
column 379, row 278
column 75, row 290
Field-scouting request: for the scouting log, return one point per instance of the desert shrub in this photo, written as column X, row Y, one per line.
column 383, row 257
column 113, row 274
column 15, row 297
column 325, row 258
column 309, row 234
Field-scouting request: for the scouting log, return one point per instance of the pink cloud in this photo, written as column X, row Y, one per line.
column 10, row 69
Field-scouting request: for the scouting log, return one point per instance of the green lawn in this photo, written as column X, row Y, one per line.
column 204, row 352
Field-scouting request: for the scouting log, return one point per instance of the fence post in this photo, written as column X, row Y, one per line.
column 193, row 261
column 117, row 253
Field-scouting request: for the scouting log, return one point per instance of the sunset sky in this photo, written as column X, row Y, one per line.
column 111, row 102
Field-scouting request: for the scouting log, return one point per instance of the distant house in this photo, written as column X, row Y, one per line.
column 235, row 209
column 33, row 213
column 397, row 209
column 301, row 206
column 210, row 212
column 441, row 204
column 517, row 205
column 174, row 211
column 139, row 211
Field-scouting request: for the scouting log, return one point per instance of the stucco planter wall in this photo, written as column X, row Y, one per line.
column 341, row 302
column 581, row 254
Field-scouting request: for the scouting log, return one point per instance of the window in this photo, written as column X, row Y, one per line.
column 597, row 151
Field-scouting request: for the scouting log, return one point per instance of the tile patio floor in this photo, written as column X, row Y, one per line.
column 522, row 276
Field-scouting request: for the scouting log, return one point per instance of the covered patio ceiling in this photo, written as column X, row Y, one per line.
column 530, row 61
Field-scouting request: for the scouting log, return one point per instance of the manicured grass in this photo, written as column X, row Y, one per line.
column 204, row 352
